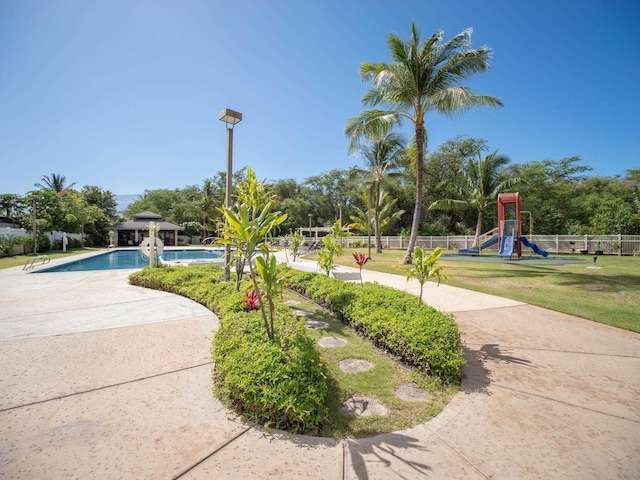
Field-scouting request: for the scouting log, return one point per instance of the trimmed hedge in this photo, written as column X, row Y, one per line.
column 420, row 336
column 280, row 384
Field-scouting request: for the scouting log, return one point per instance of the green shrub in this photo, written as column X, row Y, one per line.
column 418, row 335
column 6, row 245
column 280, row 383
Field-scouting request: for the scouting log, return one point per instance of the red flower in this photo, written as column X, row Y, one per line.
column 361, row 259
column 250, row 301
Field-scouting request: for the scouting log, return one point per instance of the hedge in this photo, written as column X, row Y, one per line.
column 420, row 336
column 280, row 384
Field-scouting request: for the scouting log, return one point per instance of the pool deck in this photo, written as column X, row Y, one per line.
column 101, row 379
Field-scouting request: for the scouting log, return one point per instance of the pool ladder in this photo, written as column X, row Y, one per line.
column 31, row 262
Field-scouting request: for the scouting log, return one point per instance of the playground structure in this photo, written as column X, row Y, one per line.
column 508, row 235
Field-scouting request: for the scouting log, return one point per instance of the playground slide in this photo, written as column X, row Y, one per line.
column 533, row 246
column 506, row 247
column 474, row 250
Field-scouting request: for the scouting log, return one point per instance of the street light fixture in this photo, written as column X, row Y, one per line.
column 369, row 185
column 230, row 118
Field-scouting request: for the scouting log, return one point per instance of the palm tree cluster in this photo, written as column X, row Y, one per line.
column 424, row 76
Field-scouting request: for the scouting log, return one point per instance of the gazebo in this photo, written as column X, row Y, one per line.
column 131, row 232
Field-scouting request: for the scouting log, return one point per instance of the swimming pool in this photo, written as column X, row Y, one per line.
column 122, row 259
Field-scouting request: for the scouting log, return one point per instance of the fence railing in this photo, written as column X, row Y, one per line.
column 580, row 244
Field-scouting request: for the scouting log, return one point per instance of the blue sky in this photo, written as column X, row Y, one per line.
column 126, row 94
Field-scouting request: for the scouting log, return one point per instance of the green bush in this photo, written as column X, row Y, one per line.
column 6, row 245
column 421, row 336
column 281, row 383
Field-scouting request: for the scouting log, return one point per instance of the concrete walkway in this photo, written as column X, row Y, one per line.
column 100, row 379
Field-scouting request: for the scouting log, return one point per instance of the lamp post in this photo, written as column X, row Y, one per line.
column 369, row 185
column 230, row 118
column 33, row 216
column 309, row 230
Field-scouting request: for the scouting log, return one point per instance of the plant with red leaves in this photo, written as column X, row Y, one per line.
column 251, row 301
column 361, row 259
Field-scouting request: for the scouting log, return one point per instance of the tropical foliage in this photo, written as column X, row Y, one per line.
column 482, row 180
column 423, row 76
column 381, row 157
column 424, row 268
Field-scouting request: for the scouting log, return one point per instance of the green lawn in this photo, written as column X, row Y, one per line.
column 609, row 295
column 20, row 260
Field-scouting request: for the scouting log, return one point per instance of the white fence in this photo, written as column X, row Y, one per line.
column 21, row 232
column 607, row 244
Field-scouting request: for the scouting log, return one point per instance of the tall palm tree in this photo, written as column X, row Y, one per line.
column 381, row 157
column 205, row 203
column 55, row 182
column 423, row 76
column 483, row 180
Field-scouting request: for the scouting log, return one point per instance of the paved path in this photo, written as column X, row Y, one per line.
column 100, row 379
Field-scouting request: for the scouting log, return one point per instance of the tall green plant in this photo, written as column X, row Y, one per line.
column 332, row 248
column 424, row 268
column 250, row 223
column 295, row 239
column 249, row 233
column 423, row 76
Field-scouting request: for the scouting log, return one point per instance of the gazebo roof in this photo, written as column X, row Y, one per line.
column 146, row 216
column 141, row 222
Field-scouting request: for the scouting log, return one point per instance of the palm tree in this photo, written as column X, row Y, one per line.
column 205, row 203
column 56, row 182
column 387, row 214
column 424, row 76
column 483, row 180
column 380, row 157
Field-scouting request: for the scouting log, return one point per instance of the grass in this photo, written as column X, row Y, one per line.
column 609, row 295
column 20, row 260
column 379, row 382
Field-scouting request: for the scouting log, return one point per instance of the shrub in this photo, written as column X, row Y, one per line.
column 280, row 383
column 6, row 245
column 419, row 335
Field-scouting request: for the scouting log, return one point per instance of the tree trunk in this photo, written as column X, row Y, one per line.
column 415, row 224
column 376, row 215
column 478, row 229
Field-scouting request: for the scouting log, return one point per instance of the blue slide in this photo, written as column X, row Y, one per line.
column 506, row 247
column 475, row 250
column 533, row 246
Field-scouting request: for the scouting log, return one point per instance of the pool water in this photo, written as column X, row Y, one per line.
column 122, row 259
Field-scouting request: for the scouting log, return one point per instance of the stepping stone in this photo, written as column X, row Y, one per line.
column 316, row 324
column 355, row 365
column 292, row 302
column 329, row 342
column 363, row 406
column 301, row 313
column 411, row 392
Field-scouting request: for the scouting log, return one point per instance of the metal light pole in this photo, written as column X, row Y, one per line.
column 309, row 230
column 369, row 185
column 230, row 118
column 33, row 216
